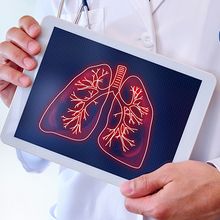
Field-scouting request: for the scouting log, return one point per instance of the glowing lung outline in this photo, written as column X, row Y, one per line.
column 114, row 87
column 150, row 126
column 45, row 112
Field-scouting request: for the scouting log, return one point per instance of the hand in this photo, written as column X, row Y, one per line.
column 182, row 191
column 16, row 55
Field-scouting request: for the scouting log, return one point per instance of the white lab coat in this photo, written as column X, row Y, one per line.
column 184, row 30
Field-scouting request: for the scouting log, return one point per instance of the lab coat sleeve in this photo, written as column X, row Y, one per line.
column 216, row 163
column 32, row 163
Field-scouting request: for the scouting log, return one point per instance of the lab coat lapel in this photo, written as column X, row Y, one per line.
column 144, row 10
column 155, row 4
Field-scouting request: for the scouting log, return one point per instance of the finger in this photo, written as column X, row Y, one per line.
column 142, row 206
column 13, row 76
column 147, row 184
column 22, row 40
column 7, row 94
column 16, row 55
column 4, row 60
column 3, row 85
column 148, row 206
column 30, row 26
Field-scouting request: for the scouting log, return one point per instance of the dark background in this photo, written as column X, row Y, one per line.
column 172, row 95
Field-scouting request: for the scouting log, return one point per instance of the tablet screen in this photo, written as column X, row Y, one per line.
column 106, row 108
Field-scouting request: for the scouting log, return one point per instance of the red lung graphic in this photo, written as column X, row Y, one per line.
column 127, row 131
column 75, row 112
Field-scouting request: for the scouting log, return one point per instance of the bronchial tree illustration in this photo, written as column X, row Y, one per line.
column 79, row 112
column 129, row 119
column 126, row 133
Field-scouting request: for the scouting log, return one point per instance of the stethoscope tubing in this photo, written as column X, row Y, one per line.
column 60, row 9
column 84, row 7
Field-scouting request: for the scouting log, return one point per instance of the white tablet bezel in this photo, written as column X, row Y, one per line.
column 21, row 96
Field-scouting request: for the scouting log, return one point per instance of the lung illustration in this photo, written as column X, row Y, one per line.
column 127, row 132
column 75, row 112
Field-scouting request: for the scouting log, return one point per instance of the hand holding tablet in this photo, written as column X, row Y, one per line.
column 107, row 109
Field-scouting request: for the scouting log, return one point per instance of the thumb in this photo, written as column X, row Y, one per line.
column 147, row 184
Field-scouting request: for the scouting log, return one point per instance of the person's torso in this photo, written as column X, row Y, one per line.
column 186, row 31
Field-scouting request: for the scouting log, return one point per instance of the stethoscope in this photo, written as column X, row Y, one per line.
column 83, row 8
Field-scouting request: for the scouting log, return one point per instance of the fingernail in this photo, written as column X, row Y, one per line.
column 34, row 30
column 24, row 81
column 32, row 46
column 29, row 63
column 126, row 188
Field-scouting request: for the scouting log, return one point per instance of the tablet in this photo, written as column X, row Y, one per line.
column 105, row 108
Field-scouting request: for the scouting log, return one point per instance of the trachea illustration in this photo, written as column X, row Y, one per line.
column 75, row 113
